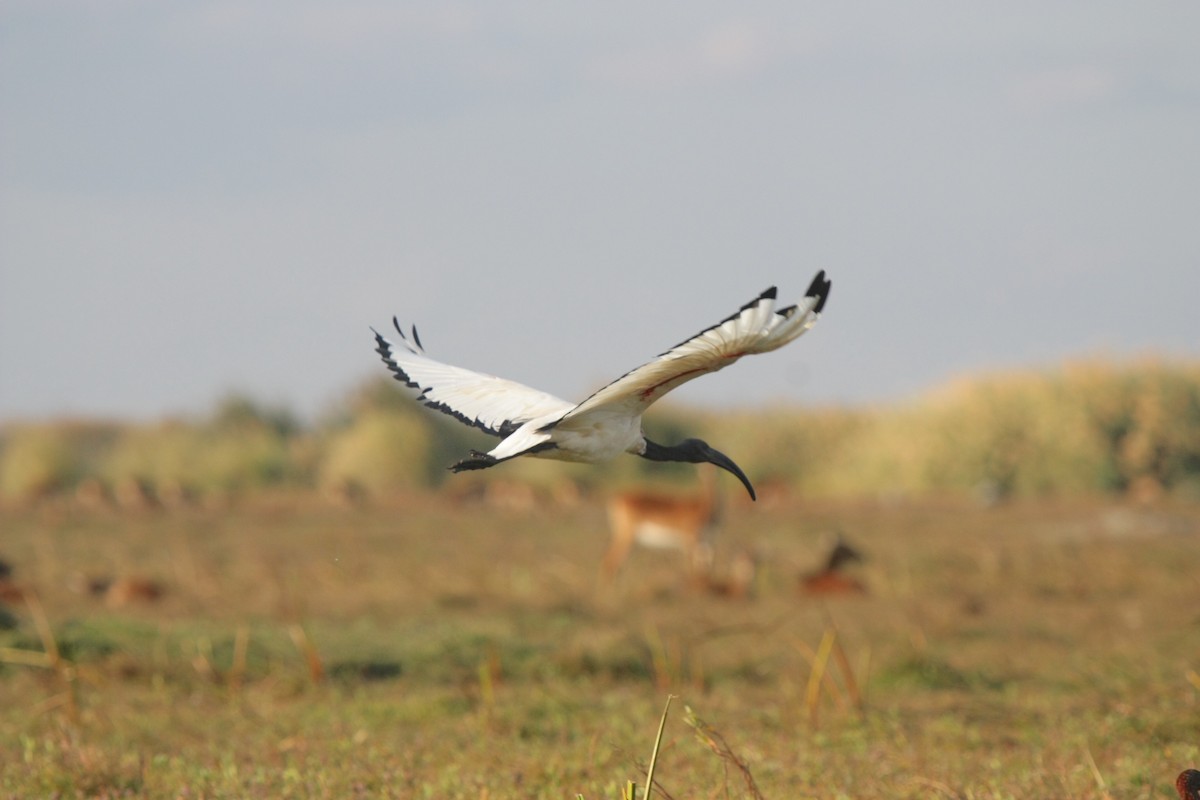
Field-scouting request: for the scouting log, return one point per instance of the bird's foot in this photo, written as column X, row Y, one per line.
column 477, row 460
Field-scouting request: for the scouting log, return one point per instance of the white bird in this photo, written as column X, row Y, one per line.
column 609, row 422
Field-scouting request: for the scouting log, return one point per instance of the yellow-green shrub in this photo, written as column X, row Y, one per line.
column 1093, row 426
column 202, row 457
column 380, row 452
column 36, row 460
column 41, row 458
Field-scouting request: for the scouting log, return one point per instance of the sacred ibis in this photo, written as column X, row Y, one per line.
column 609, row 422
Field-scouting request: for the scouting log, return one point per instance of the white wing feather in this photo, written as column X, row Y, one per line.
column 755, row 328
column 532, row 420
column 492, row 404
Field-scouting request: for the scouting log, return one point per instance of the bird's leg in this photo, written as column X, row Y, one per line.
column 477, row 460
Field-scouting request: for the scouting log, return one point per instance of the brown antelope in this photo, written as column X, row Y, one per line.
column 118, row 592
column 736, row 583
column 130, row 589
column 11, row 593
column 664, row 521
column 830, row 579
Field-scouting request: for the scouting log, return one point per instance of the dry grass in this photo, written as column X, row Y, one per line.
column 426, row 649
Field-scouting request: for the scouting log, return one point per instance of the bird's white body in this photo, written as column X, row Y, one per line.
column 598, row 437
column 609, row 422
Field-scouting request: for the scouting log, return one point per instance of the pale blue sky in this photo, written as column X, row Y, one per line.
column 205, row 197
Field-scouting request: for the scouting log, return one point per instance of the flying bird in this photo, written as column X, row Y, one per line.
column 609, row 422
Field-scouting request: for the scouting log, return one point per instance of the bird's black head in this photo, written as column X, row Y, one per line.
column 695, row 451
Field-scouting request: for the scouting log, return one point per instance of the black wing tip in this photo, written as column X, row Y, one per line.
column 415, row 339
column 767, row 294
column 819, row 288
column 382, row 346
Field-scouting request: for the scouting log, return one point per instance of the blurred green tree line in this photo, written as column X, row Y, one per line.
column 1094, row 427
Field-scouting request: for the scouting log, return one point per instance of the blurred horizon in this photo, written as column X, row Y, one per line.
column 215, row 199
column 673, row 406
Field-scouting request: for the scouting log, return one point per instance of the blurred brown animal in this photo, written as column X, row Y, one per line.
column 738, row 583
column 124, row 591
column 91, row 494
column 135, row 494
column 1188, row 785
column 681, row 522
column 119, row 592
column 830, row 578
column 93, row 585
column 512, row 496
column 825, row 583
column 11, row 593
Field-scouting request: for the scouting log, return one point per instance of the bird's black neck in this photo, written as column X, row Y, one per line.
column 661, row 452
column 694, row 451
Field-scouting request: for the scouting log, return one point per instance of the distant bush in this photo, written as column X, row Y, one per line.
column 37, row 461
column 1023, row 434
column 238, row 449
column 379, row 453
column 43, row 458
column 158, row 454
column 886, row 453
column 786, row 445
column 1148, row 416
column 1091, row 427
column 237, row 413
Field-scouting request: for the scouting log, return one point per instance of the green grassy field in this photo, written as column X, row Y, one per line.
column 419, row 649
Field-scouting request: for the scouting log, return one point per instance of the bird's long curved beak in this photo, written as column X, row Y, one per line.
column 726, row 463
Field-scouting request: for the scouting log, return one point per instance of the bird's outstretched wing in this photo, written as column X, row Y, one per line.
column 492, row 404
column 756, row 328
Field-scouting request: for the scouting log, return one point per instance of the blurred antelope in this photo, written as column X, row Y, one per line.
column 118, row 592
column 132, row 589
column 664, row 521
column 736, row 583
column 10, row 592
column 830, row 578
